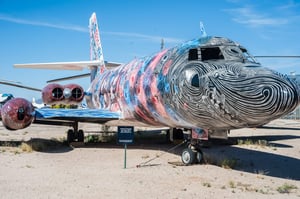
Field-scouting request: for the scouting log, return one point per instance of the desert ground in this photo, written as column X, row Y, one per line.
column 259, row 163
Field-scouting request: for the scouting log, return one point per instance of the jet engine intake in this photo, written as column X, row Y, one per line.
column 59, row 94
column 73, row 93
column 17, row 113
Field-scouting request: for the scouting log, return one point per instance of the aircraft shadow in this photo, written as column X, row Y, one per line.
column 256, row 160
column 40, row 145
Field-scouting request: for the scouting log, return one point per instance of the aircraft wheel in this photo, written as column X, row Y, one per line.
column 80, row 136
column 199, row 156
column 188, row 156
column 70, row 136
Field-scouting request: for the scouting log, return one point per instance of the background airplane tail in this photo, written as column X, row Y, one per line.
column 96, row 52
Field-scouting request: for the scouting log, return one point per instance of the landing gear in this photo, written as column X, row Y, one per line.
column 70, row 136
column 188, row 156
column 80, row 136
column 191, row 155
column 75, row 135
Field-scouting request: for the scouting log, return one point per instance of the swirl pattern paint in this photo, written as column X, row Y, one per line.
column 203, row 83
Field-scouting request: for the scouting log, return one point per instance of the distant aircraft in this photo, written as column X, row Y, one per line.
column 206, row 86
column 5, row 97
column 37, row 105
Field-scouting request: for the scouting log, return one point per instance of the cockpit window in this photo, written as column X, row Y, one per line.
column 192, row 78
column 193, row 54
column 248, row 57
column 195, row 81
column 211, row 53
column 234, row 50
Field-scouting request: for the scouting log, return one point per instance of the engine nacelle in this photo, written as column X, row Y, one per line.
column 59, row 94
column 17, row 113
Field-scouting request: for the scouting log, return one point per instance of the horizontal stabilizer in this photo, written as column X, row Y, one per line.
column 80, row 65
column 69, row 78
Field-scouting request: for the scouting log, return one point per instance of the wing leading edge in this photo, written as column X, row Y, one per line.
column 78, row 115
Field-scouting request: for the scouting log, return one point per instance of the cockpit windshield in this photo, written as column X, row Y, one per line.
column 247, row 55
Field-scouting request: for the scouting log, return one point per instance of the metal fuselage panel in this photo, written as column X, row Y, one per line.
column 178, row 88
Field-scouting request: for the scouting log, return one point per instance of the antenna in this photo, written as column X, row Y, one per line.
column 202, row 30
column 162, row 44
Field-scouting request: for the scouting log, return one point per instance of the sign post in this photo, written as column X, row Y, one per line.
column 125, row 136
column 125, row 155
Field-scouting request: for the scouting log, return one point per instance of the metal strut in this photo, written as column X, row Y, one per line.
column 192, row 154
column 144, row 164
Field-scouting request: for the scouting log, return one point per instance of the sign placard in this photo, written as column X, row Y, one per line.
column 125, row 134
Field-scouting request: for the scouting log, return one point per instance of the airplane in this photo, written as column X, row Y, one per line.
column 204, row 87
column 5, row 97
column 37, row 105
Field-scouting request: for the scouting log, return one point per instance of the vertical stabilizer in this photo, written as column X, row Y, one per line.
column 95, row 47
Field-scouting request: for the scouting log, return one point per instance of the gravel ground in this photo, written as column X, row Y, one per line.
column 265, row 164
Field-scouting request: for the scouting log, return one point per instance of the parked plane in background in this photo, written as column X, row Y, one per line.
column 37, row 105
column 5, row 97
column 209, row 83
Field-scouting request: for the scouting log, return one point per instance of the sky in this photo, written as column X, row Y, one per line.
column 57, row 30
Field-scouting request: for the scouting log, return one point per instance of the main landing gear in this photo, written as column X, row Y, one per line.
column 75, row 135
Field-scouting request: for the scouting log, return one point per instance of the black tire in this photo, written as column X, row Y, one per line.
column 188, row 156
column 70, row 136
column 80, row 136
column 199, row 156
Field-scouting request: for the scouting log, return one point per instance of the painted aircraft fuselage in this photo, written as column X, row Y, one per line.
column 210, row 83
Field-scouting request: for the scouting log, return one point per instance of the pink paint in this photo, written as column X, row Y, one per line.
column 166, row 67
column 157, row 102
column 157, row 59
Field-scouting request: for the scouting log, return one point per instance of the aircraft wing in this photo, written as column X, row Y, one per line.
column 79, row 65
column 18, row 84
column 78, row 115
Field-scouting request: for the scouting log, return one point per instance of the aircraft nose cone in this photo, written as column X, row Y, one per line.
column 275, row 96
column 296, row 82
column 254, row 96
column 286, row 95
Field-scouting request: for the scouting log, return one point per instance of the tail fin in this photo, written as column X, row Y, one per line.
column 96, row 47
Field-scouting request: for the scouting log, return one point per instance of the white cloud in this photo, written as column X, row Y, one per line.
column 85, row 29
column 44, row 24
column 146, row 37
column 248, row 16
column 289, row 6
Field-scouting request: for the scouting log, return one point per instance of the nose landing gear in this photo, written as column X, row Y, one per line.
column 191, row 155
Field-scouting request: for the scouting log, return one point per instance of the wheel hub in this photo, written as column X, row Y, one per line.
column 186, row 157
